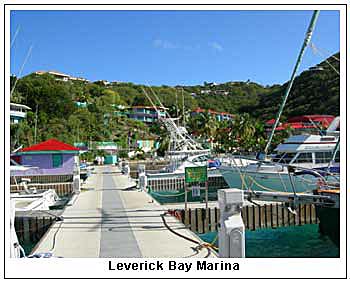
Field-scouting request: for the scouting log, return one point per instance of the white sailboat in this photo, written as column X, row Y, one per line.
column 296, row 153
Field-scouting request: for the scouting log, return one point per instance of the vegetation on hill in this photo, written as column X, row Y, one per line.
column 54, row 109
column 315, row 91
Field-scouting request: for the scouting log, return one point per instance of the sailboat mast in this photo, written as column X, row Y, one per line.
column 36, row 122
column 301, row 53
column 183, row 108
column 21, row 70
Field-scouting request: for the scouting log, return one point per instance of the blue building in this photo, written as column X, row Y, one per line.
column 220, row 116
column 146, row 114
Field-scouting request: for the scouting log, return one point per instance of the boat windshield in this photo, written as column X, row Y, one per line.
column 284, row 157
column 326, row 157
column 304, row 157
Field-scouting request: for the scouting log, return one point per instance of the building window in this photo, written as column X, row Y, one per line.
column 56, row 160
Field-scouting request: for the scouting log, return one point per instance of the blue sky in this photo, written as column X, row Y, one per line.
column 170, row 47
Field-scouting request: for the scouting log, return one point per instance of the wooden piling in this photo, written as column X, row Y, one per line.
column 274, row 218
column 212, row 220
column 268, row 216
column 186, row 218
column 193, row 220
column 255, row 217
column 251, row 220
column 199, row 220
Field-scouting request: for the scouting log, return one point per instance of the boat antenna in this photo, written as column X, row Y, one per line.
column 177, row 108
column 317, row 51
column 158, row 100
column 301, row 53
column 316, row 127
column 36, row 123
column 14, row 36
column 183, row 109
column 21, row 70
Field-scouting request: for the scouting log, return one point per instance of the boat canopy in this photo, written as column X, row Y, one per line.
column 308, row 143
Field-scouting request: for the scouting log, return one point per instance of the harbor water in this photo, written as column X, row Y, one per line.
column 164, row 197
column 285, row 242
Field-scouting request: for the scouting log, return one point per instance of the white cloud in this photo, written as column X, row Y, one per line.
column 166, row 44
column 160, row 43
column 216, row 46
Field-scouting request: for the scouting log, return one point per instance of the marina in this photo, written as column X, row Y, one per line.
column 214, row 171
column 110, row 211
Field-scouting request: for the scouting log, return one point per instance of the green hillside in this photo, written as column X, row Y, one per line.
column 315, row 91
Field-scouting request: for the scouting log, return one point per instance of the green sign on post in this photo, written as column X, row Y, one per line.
column 196, row 174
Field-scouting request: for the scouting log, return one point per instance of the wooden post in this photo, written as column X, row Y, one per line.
column 302, row 214
column 286, row 216
column 185, row 187
column 256, row 212
column 193, row 220
column 313, row 214
column 307, row 214
column 244, row 216
column 251, row 219
column 187, row 219
column 206, row 221
column 268, row 216
column 274, row 217
column 262, row 216
column 213, row 222
column 199, row 220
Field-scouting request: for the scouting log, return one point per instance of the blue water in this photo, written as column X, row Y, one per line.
column 294, row 241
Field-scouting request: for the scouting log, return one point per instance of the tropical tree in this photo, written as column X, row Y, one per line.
column 210, row 128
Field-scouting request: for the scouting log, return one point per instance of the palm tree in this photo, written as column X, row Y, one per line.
column 244, row 131
column 210, row 129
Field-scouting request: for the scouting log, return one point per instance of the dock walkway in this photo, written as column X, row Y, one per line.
column 111, row 219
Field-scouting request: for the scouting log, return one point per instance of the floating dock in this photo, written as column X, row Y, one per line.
column 111, row 219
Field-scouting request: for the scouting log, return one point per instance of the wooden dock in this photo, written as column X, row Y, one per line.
column 255, row 217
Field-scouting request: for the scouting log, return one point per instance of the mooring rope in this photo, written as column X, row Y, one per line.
column 200, row 245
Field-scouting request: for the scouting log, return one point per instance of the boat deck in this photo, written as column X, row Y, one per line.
column 110, row 218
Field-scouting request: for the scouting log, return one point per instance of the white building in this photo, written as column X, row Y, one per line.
column 61, row 76
column 18, row 112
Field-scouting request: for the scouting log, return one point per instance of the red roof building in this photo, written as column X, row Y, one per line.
column 51, row 157
column 50, row 145
column 304, row 122
column 322, row 120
